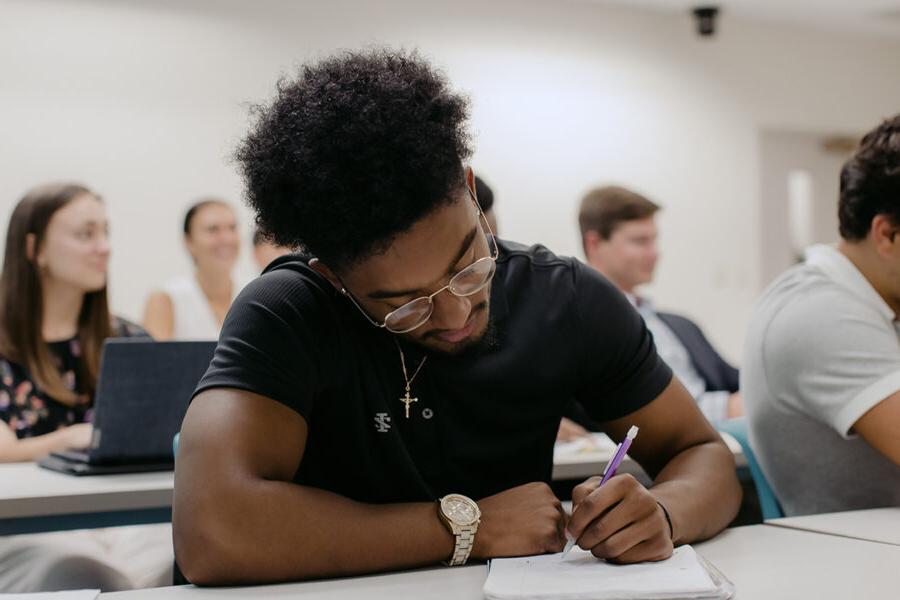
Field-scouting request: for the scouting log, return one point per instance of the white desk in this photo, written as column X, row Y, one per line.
column 438, row 583
column 772, row 563
column 873, row 525
column 579, row 460
column 765, row 563
column 33, row 499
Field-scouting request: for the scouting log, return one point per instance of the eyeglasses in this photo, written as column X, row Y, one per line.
column 467, row 282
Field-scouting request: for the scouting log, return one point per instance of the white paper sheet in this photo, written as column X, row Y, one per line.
column 581, row 575
column 584, row 445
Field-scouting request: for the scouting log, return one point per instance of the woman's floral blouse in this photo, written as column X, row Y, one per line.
column 28, row 411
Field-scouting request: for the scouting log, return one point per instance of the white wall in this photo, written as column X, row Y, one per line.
column 781, row 153
column 144, row 102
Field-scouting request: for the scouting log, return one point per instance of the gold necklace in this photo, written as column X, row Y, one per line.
column 407, row 399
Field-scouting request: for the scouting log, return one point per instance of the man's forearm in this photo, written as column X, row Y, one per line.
column 263, row 531
column 699, row 488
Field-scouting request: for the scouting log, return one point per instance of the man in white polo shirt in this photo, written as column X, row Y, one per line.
column 821, row 371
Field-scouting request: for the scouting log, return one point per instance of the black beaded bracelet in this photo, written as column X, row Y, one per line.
column 668, row 520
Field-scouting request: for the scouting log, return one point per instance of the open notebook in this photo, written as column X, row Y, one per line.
column 581, row 576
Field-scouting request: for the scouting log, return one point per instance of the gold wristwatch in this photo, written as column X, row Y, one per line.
column 461, row 516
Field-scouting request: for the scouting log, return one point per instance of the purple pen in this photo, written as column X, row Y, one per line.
column 607, row 474
column 620, row 454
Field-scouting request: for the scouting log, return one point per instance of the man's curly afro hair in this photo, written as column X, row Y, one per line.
column 870, row 182
column 354, row 151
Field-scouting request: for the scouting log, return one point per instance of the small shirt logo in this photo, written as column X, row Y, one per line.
column 382, row 422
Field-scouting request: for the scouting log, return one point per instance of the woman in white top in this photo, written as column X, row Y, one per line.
column 193, row 307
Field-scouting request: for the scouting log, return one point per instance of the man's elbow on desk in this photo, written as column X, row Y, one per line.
column 204, row 533
column 197, row 556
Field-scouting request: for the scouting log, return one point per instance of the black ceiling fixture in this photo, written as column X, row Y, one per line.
column 706, row 19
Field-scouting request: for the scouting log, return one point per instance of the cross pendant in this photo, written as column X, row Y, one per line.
column 406, row 400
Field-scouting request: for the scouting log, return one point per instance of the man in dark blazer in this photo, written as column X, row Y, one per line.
column 618, row 232
column 717, row 372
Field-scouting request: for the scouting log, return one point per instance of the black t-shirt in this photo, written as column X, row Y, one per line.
column 484, row 422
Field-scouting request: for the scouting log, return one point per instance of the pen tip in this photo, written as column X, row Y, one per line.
column 632, row 433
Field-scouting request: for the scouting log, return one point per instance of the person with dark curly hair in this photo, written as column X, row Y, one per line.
column 821, row 377
column 390, row 398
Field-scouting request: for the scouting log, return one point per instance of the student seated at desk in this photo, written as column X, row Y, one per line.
column 54, row 318
column 822, row 357
column 193, row 307
column 619, row 236
column 412, row 356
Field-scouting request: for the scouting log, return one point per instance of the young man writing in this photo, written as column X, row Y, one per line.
column 416, row 358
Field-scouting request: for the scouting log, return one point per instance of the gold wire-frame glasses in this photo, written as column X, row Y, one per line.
column 467, row 282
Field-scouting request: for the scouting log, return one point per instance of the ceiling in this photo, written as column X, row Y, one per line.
column 877, row 17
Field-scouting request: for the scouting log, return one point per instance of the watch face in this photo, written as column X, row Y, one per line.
column 459, row 509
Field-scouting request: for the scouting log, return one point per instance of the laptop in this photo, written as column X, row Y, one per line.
column 142, row 396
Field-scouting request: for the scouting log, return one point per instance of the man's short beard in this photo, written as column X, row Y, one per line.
column 488, row 340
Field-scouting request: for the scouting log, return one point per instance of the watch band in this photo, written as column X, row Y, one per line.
column 463, row 527
column 465, row 539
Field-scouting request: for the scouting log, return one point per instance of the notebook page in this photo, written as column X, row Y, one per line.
column 596, row 442
column 581, row 575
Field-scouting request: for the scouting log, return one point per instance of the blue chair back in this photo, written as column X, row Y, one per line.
column 768, row 502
